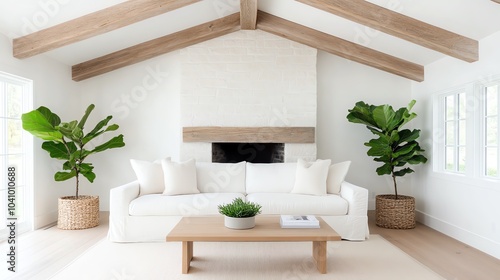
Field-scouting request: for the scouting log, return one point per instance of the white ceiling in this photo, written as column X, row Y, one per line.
column 475, row 19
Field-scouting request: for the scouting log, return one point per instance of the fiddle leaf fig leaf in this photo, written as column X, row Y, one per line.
column 384, row 169
column 82, row 122
column 383, row 116
column 58, row 150
column 63, row 176
column 362, row 113
column 115, row 142
column 68, row 165
column 86, row 169
column 402, row 172
column 97, row 130
column 416, row 159
column 52, row 118
column 112, row 127
column 403, row 150
column 42, row 123
column 407, row 135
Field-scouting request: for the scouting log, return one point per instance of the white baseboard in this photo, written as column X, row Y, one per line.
column 371, row 204
column 479, row 242
column 45, row 219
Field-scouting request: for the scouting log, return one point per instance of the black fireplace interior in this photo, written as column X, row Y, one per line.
column 250, row 152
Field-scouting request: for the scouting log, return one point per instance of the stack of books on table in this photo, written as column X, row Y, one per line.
column 299, row 221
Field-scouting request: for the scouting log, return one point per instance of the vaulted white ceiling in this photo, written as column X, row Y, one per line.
column 475, row 19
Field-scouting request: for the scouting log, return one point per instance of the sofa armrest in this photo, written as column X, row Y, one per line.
column 357, row 197
column 120, row 198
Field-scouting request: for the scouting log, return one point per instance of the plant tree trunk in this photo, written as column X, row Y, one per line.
column 77, row 183
column 395, row 186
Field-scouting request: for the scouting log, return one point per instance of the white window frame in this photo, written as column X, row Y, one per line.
column 481, row 158
column 439, row 145
column 26, row 222
column 475, row 168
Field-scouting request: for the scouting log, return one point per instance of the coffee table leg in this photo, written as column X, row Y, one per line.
column 319, row 255
column 187, row 255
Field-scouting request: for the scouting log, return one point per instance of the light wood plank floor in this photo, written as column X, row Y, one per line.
column 44, row 252
column 448, row 257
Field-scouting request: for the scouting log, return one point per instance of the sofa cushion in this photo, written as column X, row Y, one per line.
column 310, row 177
column 179, row 177
column 180, row 205
column 299, row 204
column 149, row 175
column 336, row 175
column 270, row 177
column 220, row 177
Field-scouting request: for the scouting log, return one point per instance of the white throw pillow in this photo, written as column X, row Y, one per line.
column 149, row 175
column 270, row 177
column 215, row 177
column 180, row 177
column 336, row 175
column 310, row 178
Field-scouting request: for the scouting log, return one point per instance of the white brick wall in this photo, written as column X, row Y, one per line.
column 248, row 78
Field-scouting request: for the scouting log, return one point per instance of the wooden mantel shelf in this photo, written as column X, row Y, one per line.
column 249, row 134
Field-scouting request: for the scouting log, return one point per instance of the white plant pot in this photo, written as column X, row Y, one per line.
column 239, row 223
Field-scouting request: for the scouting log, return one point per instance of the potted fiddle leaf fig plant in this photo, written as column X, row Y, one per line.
column 239, row 214
column 394, row 147
column 68, row 142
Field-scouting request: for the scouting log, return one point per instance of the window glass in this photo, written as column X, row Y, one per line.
column 450, row 107
column 455, row 132
column 491, row 127
column 491, row 100
column 450, row 133
column 468, row 141
column 491, row 131
column 492, row 162
column 450, row 159
column 15, row 150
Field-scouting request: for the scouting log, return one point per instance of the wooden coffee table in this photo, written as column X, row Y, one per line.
column 267, row 229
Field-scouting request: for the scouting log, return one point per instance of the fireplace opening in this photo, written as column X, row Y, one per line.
column 251, row 152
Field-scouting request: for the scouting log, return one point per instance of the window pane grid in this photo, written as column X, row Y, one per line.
column 491, row 141
column 15, row 148
column 455, row 132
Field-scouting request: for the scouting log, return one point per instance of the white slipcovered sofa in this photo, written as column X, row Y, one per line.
column 143, row 213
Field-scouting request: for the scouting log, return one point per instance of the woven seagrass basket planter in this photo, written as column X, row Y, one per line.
column 395, row 213
column 78, row 213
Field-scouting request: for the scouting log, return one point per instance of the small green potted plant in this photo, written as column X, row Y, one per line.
column 67, row 141
column 394, row 147
column 239, row 214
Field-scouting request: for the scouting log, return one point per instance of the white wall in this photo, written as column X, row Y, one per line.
column 342, row 83
column 467, row 210
column 53, row 88
column 144, row 101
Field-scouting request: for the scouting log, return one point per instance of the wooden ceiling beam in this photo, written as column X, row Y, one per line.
column 156, row 47
column 93, row 24
column 339, row 47
column 248, row 10
column 401, row 26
